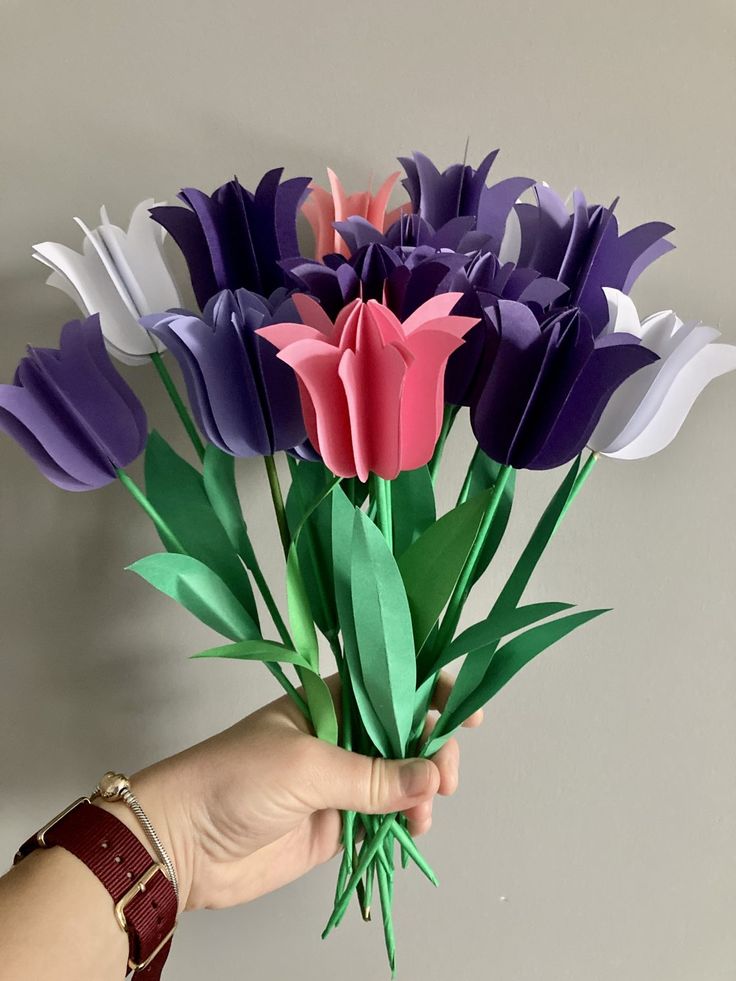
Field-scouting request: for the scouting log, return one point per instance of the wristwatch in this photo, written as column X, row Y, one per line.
column 145, row 900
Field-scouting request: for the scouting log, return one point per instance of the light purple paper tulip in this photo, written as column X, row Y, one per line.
column 71, row 411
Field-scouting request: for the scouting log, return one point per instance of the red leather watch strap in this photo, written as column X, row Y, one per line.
column 146, row 903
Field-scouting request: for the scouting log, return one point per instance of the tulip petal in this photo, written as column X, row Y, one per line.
column 88, row 276
column 327, row 420
column 641, row 396
column 613, row 360
column 44, row 428
column 373, row 378
column 708, row 363
column 186, row 230
column 622, row 313
column 422, row 400
column 433, row 309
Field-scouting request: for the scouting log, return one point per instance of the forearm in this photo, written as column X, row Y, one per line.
column 56, row 921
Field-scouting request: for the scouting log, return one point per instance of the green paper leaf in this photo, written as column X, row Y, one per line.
column 309, row 516
column 494, row 628
column 343, row 520
column 200, row 590
column 221, row 489
column 483, row 476
column 383, row 630
column 300, row 615
column 430, row 567
column 321, row 706
column 412, row 502
column 506, row 662
column 256, row 650
column 177, row 491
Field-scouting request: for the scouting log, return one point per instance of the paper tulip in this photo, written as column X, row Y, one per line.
column 371, row 386
column 323, row 208
column 583, row 249
column 71, row 411
column 403, row 281
column 548, row 384
column 460, row 192
column 235, row 238
column 120, row 275
column 245, row 400
column 647, row 411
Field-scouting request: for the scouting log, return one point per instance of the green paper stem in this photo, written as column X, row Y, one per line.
column 367, row 854
column 448, row 421
column 177, row 402
column 140, row 498
column 460, row 593
column 585, row 472
column 263, row 589
column 278, row 502
column 386, row 894
column 382, row 495
column 465, row 489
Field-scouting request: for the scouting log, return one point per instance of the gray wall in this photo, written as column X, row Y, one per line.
column 593, row 835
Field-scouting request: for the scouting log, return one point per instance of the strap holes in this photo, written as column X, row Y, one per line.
column 104, row 844
column 118, row 859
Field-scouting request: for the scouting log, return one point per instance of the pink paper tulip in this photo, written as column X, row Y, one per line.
column 322, row 208
column 371, row 386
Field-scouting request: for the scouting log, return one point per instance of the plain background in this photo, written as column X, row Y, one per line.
column 594, row 833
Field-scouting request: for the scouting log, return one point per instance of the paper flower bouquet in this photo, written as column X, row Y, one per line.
column 356, row 362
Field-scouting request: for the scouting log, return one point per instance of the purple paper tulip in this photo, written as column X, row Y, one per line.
column 584, row 249
column 403, row 280
column 547, row 384
column 245, row 400
column 72, row 412
column 235, row 238
column 460, row 193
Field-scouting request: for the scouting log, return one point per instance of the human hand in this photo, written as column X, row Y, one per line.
column 258, row 805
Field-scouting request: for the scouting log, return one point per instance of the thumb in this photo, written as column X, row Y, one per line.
column 352, row 782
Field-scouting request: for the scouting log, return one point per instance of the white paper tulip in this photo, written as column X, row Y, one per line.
column 120, row 275
column 646, row 412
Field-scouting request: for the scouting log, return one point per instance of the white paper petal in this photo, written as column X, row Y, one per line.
column 88, row 277
column 661, row 332
column 648, row 403
column 144, row 252
column 622, row 315
column 510, row 247
column 708, row 363
column 95, row 240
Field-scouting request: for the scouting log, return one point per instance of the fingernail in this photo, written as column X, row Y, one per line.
column 413, row 777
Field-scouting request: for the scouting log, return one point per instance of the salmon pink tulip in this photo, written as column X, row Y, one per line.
column 372, row 387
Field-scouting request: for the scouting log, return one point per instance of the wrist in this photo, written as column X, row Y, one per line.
column 161, row 800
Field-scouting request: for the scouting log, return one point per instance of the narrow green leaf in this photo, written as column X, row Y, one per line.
column 431, row 566
column 200, row 590
column 383, row 630
column 484, row 475
column 300, row 615
column 177, row 491
column 321, row 706
column 412, row 500
column 507, row 661
column 343, row 520
column 493, row 629
column 222, row 491
column 256, row 650
column 309, row 515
